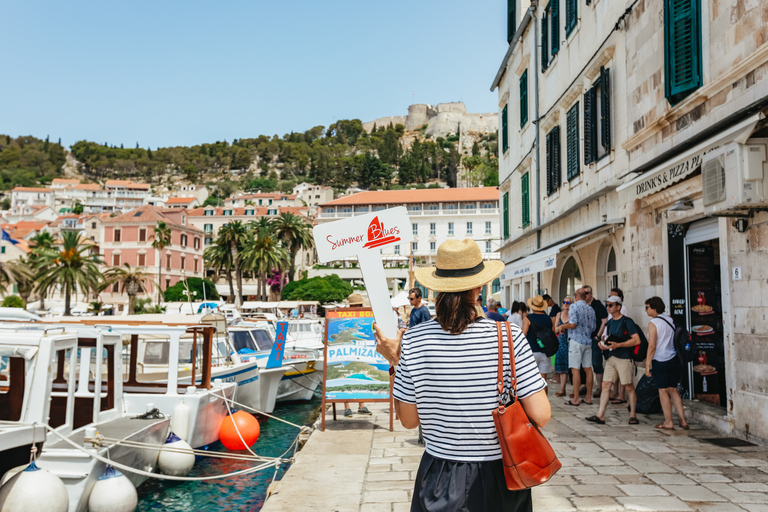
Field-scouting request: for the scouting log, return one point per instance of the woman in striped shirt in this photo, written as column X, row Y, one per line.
column 445, row 381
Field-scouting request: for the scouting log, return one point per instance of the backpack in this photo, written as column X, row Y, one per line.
column 639, row 352
column 548, row 341
column 683, row 342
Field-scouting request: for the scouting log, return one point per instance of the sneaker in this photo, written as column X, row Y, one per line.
column 364, row 410
column 348, row 413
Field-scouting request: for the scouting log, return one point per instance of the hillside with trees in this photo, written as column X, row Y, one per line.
column 340, row 155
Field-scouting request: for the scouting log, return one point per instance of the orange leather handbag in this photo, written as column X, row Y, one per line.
column 528, row 458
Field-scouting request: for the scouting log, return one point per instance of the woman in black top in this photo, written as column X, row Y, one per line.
column 535, row 320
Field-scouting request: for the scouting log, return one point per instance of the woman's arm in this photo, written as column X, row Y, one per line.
column 651, row 348
column 389, row 348
column 408, row 414
column 537, row 407
column 526, row 324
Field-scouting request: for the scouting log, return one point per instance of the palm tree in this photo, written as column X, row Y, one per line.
column 263, row 252
column 132, row 282
column 14, row 272
column 42, row 241
column 69, row 267
column 220, row 257
column 234, row 235
column 161, row 238
column 25, row 280
column 297, row 234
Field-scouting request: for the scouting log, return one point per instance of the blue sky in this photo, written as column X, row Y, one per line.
column 165, row 73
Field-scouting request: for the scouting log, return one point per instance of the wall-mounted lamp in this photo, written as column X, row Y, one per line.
column 741, row 225
column 682, row 205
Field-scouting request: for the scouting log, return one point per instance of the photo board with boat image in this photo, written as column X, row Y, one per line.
column 353, row 370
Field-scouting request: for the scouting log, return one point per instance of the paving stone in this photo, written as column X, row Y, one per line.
column 670, row 478
column 710, row 462
column 693, row 493
column 616, row 470
column 552, row 504
column 749, row 463
column 642, row 490
column 707, row 478
column 745, row 497
column 750, row 487
column 384, row 496
column 719, row 487
column 650, row 466
column 598, row 503
column 376, row 507
column 756, row 507
column 389, row 485
column 654, row 504
column 597, row 479
column 718, row 507
column 388, row 476
column 601, row 461
column 562, row 491
column 596, row 490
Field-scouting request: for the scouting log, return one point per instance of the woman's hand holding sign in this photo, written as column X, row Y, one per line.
column 389, row 348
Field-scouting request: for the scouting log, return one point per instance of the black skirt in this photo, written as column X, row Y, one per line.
column 665, row 374
column 452, row 486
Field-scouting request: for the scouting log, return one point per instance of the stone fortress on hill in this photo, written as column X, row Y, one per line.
column 441, row 119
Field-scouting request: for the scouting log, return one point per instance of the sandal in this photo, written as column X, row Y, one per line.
column 559, row 394
column 661, row 426
column 635, row 421
column 617, row 401
column 571, row 403
column 685, row 427
column 595, row 419
column 588, row 403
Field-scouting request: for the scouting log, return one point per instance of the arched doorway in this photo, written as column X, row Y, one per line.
column 611, row 272
column 570, row 278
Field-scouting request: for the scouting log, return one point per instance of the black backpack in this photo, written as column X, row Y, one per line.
column 684, row 344
column 639, row 352
column 546, row 340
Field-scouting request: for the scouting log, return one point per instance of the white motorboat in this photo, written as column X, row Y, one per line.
column 73, row 381
column 254, row 341
column 307, row 334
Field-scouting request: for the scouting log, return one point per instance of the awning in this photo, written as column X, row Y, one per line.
column 686, row 163
column 546, row 259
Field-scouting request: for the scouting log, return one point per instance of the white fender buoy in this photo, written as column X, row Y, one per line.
column 175, row 463
column 113, row 492
column 180, row 420
column 34, row 489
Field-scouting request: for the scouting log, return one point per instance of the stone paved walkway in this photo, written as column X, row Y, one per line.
column 358, row 465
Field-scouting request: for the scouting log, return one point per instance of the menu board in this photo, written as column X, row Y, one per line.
column 706, row 322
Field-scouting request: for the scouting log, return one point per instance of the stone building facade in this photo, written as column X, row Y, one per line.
column 642, row 165
column 441, row 119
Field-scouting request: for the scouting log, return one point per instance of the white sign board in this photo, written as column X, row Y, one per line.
column 362, row 237
column 737, row 273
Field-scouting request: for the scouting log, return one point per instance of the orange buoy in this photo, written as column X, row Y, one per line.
column 247, row 425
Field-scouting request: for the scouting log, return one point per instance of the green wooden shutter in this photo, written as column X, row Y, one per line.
column 525, row 200
column 511, row 20
column 590, row 137
column 572, row 144
column 682, row 47
column 605, row 111
column 544, row 41
column 504, row 134
column 556, row 176
column 571, row 16
column 524, row 98
column 506, row 215
column 555, row 14
column 549, row 163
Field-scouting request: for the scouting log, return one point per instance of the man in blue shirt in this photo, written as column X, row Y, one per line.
column 581, row 322
column 493, row 311
column 420, row 312
column 622, row 338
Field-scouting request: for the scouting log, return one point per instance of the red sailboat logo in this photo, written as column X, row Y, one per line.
column 378, row 235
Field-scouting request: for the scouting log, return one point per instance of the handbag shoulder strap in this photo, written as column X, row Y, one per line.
column 511, row 357
column 500, row 375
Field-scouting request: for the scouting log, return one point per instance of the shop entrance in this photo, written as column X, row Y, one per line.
column 570, row 279
column 706, row 375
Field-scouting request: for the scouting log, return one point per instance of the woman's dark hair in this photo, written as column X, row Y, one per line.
column 656, row 304
column 455, row 311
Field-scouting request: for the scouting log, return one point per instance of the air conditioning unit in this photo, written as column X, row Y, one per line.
column 735, row 177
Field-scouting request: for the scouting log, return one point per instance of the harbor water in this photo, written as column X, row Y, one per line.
column 245, row 492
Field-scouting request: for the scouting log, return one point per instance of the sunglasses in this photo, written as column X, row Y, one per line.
column 566, row 302
column 411, row 298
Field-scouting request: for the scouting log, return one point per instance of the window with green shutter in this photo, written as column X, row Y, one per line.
column 511, row 20
column 524, row 98
column 525, row 201
column 504, row 131
column 554, row 13
column 571, row 15
column 682, row 48
column 505, row 202
column 597, row 119
column 572, row 143
column 553, row 160
column 550, row 33
column 545, row 40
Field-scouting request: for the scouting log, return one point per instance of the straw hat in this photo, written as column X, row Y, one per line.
column 355, row 299
column 459, row 267
column 537, row 303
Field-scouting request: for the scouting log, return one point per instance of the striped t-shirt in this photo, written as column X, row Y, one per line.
column 452, row 381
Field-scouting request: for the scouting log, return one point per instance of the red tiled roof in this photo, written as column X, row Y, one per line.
column 86, row 186
column 126, row 183
column 179, row 200
column 425, row 195
column 149, row 214
column 31, row 189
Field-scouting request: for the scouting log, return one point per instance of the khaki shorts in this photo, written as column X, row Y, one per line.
column 624, row 369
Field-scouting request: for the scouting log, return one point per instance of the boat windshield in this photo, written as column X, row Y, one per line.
column 263, row 339
column 241, row 340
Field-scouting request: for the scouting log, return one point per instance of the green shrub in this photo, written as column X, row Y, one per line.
column 13, row 301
